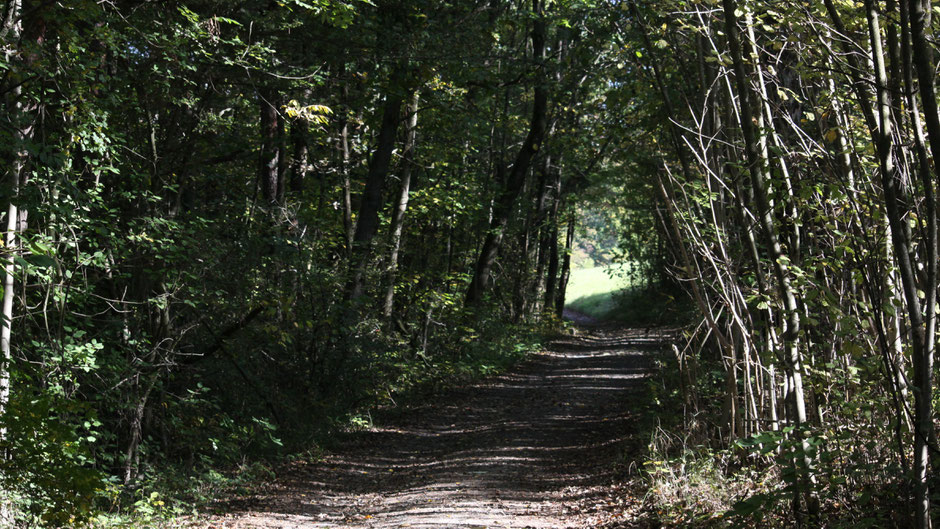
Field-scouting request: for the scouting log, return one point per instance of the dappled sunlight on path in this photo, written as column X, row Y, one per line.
column 534, row 448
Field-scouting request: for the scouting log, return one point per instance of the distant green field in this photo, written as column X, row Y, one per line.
column 591, row 291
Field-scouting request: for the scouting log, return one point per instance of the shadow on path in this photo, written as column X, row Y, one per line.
column 533, row 448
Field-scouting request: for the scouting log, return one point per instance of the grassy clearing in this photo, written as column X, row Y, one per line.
column 609, row 293
column 593, row 291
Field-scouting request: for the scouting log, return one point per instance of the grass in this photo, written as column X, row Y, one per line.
column 593, row 291
column 608, row 293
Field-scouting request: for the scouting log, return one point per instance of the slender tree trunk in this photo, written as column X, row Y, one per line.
column 31, row 29
column 367, row 223
column 504, row 204
column 895, row 201
column 299, row 164
column 766, row 122
column 398, row 215
column 523, row 247
column 348, row 228
column 25, row 113
column 283, row 160
column 9, row 269
column 551, row 278
column 758, row 171
column 132, row 453
column 565, row 269
column 920, row 15
column 545, row 219
column 270, row 157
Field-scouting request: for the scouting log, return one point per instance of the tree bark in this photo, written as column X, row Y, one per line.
column 551, row 278
column 349, row 230
column 19, row 27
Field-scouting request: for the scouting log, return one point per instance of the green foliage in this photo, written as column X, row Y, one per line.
column 47, row 475
column 178, row 325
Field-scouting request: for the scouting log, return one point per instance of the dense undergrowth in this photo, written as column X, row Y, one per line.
column 790, row 154
column 170, row 494
column 696, row 477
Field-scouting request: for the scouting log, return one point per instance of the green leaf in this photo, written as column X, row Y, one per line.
column 750, row 506
column 41, row 261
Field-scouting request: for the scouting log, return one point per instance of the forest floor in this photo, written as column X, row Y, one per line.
column 550, row 444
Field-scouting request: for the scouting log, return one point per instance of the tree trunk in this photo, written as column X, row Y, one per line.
column 367, row 223
column 565, row 270
column 551, row 278
column 759, row 177
column 299, row 164
column 507, row 198
column 30, row 27
column 269, row 161
column 920, row 15
column 522, row 270
column 546, row 206
column 349, row 229
column 135, row 432
column 398, row 216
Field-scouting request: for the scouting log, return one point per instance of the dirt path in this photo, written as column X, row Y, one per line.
column 579, row 318
column 530, row 449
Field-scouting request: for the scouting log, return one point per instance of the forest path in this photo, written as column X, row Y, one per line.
column 532, row 448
